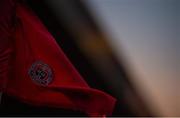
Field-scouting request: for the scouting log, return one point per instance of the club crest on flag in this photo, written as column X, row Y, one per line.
column 40, row 73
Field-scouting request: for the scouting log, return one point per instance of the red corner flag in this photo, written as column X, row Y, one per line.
column 41, row 74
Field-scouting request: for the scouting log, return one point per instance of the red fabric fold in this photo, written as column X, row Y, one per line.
column 7, row 12
column 36, row 53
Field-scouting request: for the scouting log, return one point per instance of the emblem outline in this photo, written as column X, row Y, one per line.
column 41, row 73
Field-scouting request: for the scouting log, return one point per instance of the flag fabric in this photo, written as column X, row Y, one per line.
column 7, row 12
column 37, row 72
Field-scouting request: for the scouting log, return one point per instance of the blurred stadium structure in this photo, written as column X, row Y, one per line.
column 145, row 34
column 144, row 82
